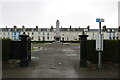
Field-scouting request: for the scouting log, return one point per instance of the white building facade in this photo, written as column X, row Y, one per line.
column 66, row 34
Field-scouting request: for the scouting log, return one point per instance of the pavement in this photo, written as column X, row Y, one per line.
column 56, row 61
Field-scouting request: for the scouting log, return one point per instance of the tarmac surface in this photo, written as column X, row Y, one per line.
column 56, row 61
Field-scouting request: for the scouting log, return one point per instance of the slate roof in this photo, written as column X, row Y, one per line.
column 61, row 29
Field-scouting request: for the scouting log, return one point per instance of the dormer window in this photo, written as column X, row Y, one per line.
column 113, row 30
column 108, row 30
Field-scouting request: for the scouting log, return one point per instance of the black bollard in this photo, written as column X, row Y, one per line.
column 83, row 54
column 24, row 50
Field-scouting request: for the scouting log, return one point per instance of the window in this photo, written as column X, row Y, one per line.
column 14, row 37
column 4, row 33
column 113, row 30
column 15, row 33
column 43, row 38
column 108, row 30
column 43, row 33
column 43, row 29
column 109, row 37
column 67, row 38
column 32, row 33
column 32, row 38
column 62, row 38
column 47, row 38
column 117, row 38
column 113, row 37
column 39, row 38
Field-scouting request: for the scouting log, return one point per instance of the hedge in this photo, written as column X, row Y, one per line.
column 110, row 53
column 111, row 50
column 6, row 47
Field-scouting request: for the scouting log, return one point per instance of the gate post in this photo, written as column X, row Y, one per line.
column 83, row 54
column 29, row 49
column 24, row 50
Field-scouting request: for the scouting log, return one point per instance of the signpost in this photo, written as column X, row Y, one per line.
column 99, row 42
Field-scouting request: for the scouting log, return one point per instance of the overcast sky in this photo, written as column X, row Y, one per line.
column 44, row 13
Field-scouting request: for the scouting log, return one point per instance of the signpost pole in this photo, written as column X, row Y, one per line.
column 100, row 53
column 99, row 59
column 99, row 27
column 99, row 43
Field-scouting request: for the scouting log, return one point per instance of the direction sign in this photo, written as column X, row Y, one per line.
column 99, row 20
column 102, row 20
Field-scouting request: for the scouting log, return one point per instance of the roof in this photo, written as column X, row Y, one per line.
column 53, row 29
